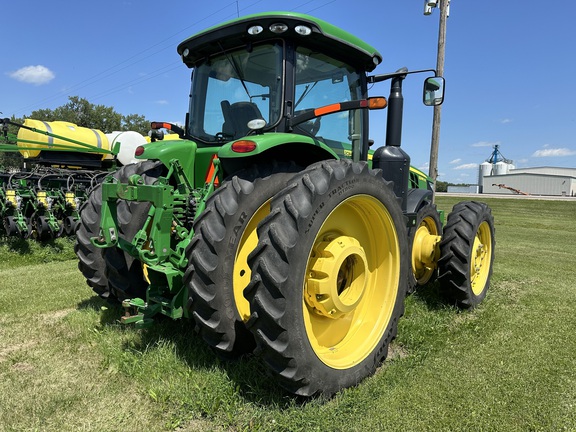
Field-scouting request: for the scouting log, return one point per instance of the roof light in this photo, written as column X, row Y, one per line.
column 243, row 146
column 255, row 30
column 185, row 52
column 256, row 124
column 278, row 28
column 302, row 30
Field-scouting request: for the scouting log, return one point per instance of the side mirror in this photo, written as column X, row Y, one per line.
column 433, row 91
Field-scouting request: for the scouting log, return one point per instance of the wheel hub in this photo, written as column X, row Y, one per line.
column 337, row 276
column 424, row 250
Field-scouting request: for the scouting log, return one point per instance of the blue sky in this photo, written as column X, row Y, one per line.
column 508, row 67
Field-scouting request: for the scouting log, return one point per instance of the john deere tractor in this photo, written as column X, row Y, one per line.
column 275, row 222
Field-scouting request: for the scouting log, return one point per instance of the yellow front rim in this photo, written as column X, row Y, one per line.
column 242, row 271
column 425, row 252
column 351, row 281
column 481, row 258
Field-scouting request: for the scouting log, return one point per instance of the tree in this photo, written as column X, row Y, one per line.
column 12, row 159
column 83, row 113
column 135, row 122
column 441, row 186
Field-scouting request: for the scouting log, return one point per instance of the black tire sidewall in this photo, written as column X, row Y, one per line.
column 463, row 224
column 249, row 190
column 328, row 380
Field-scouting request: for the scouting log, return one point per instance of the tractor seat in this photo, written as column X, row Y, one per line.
column 237, row 116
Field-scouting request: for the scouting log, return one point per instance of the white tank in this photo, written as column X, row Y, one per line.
column 485, row 170
column 129, row 141
column 500, row 168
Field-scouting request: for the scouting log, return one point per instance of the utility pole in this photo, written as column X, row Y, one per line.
column 444, row 6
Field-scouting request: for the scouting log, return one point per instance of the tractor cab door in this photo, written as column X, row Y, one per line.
column 321, row 80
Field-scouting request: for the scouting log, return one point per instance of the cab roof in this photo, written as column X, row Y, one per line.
column 324, row 37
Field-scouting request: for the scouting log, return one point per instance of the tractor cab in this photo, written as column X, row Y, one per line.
column 284, row 73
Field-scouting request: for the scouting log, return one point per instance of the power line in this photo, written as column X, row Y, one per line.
column 133, row 59
column 101, row 75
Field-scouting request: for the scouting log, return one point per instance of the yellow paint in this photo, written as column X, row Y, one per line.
column 351, row 282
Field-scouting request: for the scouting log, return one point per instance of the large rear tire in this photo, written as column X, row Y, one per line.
column 467, row 254
column 125, row 273
column 91, row 258
column 329, row 278
column 218, row 272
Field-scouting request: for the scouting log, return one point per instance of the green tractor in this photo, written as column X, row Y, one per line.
column 271, row 222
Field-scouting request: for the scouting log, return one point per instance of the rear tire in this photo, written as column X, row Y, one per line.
column 91, row 258
column 125, row 273
column 329, row 278
column 467, row 254
column 218, row 272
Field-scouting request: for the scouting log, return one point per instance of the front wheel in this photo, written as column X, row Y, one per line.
column 329, row 277
column 467, row 254
column 424, row 238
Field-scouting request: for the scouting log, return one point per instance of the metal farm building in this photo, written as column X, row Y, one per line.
column 550, row 181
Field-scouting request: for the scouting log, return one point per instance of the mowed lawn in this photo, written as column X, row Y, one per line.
column 66, row 364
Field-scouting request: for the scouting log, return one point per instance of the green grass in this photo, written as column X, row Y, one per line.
column 67, row 365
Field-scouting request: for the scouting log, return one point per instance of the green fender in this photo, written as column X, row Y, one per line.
column 282, row 146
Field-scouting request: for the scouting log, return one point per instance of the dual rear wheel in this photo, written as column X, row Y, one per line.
column 311, row 266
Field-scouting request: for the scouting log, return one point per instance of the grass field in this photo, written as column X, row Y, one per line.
column 510, row 365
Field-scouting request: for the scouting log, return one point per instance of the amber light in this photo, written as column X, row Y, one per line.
column 377, row 103
column 139, row 151
column 243, row 146
column 160, row 125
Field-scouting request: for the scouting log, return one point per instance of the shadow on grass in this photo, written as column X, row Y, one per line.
column 249, row 375
column 251, row 378
column 431, row 296
column 16, row 245
column 110, row 311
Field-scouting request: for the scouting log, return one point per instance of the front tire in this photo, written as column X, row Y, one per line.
column 467, row 254
column 218, row 272
column 329, row 278
column 423, row 238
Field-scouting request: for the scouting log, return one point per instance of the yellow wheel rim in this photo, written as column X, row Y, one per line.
column 425, row 253
column 481, row 258
column 351, row 282
column 242, row 272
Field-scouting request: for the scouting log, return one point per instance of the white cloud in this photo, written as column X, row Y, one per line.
column 455, row 161
column 36, row 75
column 485, row 144
column 466, row 166
column 162, row 102
column 506, row 120
column 554, row 152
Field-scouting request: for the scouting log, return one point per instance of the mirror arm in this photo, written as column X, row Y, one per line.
column 399, row 73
